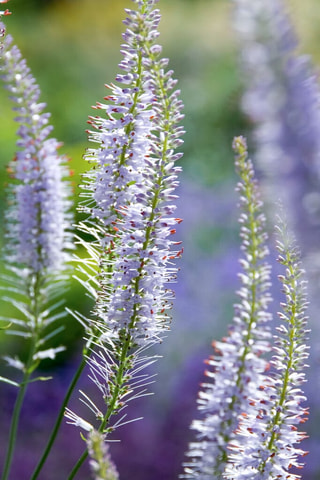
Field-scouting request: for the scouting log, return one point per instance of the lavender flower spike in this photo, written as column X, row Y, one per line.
column 281, row 99
column 130, row 194
column 39, row 215
column 267, row 438
column 239, row 366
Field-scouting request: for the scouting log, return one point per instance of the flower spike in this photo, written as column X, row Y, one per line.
column 39, row 217
column 38, row 224
column 267, row 437
column 237, row 367
column 130, row 195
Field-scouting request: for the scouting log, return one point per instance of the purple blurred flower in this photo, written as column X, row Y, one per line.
column 282, row 99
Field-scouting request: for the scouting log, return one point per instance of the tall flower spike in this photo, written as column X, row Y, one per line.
column 39, row 216
column 38, row 227
column 267, row 438
column 238, row 365
column 282, row 100
column 130, row 193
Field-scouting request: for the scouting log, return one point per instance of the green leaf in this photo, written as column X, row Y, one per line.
column 41, row 379
column 11, row 382
column 5, row 327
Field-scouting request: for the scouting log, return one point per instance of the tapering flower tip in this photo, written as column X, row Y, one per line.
column 124, row 136
column 101, row 464
column 39, row 218
column 267, row 437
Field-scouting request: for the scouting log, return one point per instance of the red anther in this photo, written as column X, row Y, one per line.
column 178, row 220
column 7, row 12
column 172, row 231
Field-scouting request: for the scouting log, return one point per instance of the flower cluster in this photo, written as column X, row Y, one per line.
column 39, row 217
column 265, row 446
column 237, row 367
column 252, row 406
column 252, row 402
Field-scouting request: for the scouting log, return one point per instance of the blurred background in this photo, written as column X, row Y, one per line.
column 72, row 48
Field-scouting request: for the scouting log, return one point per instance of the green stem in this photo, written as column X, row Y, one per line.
column 58, row 420
column 34, row 293
column 276, row 420
column 111, row 408
column 78, row 464
column 14, row 426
